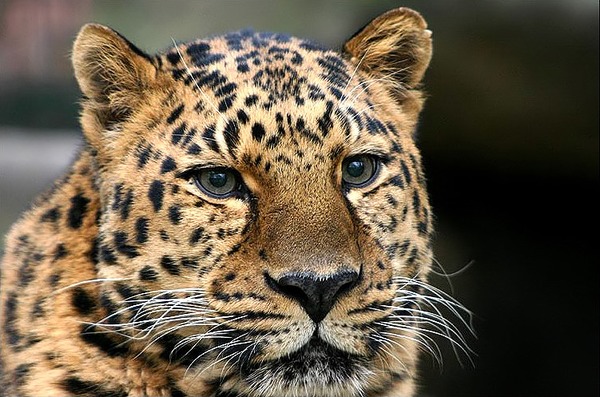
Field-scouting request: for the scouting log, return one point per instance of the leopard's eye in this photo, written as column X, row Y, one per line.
column 359, row 171
column 217, row 182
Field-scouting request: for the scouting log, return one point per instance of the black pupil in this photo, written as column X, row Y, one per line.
column 355, row 168
column 217, row 179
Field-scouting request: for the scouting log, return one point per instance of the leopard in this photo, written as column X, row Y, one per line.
column 247, row 216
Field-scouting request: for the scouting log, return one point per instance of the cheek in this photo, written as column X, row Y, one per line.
column 185, row 220
column 384, row 211
column 397, row 224
column 189, row 229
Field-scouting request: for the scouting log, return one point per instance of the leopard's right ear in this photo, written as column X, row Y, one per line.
column 111, row 72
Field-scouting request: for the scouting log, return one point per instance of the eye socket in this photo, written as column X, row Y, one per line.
column 217, row 182
column 359, row 171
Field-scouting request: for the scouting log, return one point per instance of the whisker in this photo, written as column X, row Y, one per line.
column 91, row 281
column 344, row 96
column 387, row 79
column 447, row 275
column 420, row 309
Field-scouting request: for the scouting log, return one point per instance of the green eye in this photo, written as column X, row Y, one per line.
column 359, row 171
column 217, row 182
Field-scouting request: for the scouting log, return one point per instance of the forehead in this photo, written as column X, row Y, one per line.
column 265, row 60
column 265, row 93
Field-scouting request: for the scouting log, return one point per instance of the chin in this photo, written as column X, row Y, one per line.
column 317, row 369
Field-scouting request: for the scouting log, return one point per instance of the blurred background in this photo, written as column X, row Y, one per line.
column 509, row 136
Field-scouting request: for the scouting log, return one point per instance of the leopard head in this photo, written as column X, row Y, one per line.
column 265, row 224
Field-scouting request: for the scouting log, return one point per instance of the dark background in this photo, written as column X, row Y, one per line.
column 509, row 136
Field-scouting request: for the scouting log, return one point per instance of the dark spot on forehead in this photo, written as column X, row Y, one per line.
column 226, row 103
column 231, row 133
column 325, row 122
column 258, row 131
column 164, row 235
column 242, row 117
column 310, row 46
column 226, row 89
column 168, row 165
column 334, row 70
column 201, row 48
column 262, row 254
column 356, row 117
column 173, row 58
column 201, row 55
column 281, row 81
column 209, row 137
column 194, row 149
column 242, row 67
column 178, row 133
column 191, row 133
column 251, row 100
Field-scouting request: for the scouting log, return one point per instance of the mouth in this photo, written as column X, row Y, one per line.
column 317, row 352
column 316, row 366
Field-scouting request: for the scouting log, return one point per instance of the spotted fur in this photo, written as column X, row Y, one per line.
column 127, row 279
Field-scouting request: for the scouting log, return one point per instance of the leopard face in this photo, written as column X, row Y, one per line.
column 262, row 225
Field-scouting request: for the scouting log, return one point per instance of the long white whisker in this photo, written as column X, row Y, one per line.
column 84, row 282
column 443, row 273
column 344, row 96
column 417, row 308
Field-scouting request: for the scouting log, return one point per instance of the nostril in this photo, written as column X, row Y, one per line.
column 347, row 286
column 294, row 292
column 287, row 286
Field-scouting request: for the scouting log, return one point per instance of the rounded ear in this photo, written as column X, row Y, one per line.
column 111, row 72
column 396, row 45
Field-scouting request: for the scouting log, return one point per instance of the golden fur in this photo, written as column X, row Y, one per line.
column 128, row 279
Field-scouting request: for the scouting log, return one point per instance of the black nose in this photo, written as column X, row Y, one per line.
column 315, row 292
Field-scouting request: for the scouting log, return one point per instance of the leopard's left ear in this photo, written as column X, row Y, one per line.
column 396, row 45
